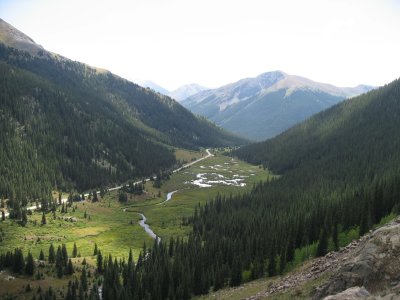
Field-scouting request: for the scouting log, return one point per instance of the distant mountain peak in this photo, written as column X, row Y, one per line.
column 152, row 85
column 265, row 105
column 186, row 90
column 12, row 37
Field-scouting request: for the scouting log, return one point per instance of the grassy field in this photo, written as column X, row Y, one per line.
column 114, row 226
column 116, row 231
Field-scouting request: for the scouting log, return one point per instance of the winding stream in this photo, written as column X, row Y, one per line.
column 146, row 227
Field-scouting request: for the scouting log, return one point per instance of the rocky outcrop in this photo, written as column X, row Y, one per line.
column 367, row 268
column 351, row 293
column 375, row 265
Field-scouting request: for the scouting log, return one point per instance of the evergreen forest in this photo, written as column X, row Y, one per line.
column 339, row 172
column 66, row 126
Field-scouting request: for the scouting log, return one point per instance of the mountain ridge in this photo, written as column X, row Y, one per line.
column 78, row 120
column 179, row 94
column 264, row 106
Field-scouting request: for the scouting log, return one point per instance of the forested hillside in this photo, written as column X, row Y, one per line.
column 340, row 174
column 65, row 125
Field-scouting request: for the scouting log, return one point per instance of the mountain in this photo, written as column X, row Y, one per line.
column 12, row 37
column 66, row 125
column 268, row 104
column 339, row 172
column 154, row 86
column 337, row 177
column 179, row 94
column 186, row 91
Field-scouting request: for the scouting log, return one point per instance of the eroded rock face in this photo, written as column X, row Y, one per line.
column 351, row 293
column 374, row 265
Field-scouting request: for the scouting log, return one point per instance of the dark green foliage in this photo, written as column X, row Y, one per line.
column 84, row 280
column 122, row 197
column 52, row 255
column 325, row 182
column 136, row 189
column 70, row 268
column 14, row 260
column 30, row 265
column 99, row 262
column 18, row 263
column 95, row 197
column 63, row 123
column 44, row 219
column 74, row 251
column 323, row 243
column 41, row 255
column 24, row 218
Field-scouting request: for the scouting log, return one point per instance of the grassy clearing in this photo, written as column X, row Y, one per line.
column 116, row 230
column 184, row 155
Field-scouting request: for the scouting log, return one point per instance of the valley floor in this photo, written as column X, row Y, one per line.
column 115, row 227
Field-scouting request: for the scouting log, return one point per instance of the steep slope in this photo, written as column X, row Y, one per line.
column 186, row 91
column 339, row 175
column 12, row 37
column 265, row 106
column 65, row 124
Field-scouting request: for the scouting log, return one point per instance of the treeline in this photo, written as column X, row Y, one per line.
column 238, row 239
column 339, row 171
column 50, row 141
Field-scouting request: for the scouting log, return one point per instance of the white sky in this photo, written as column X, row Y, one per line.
column 215, row 42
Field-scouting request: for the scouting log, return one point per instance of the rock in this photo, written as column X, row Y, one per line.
column 373, row 263
column 351, row 293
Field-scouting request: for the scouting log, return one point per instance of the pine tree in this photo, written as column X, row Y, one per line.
column 84, row 280
column 24, row 218
column 41, row 255
column 272, row 266
column 64, row 254
column 99, row 262
column 30, row 265
column 323, row 243
column 335, row 237
column 95, row 198
column 81, row 294
column 43, row 219
column 74, row 251
column 18, row 263
column 3, row 215
column 236, row 273
column 52, row 256
column 95, row 249
column 70, row 268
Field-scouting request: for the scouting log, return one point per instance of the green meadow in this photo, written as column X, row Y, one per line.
column 114, row 226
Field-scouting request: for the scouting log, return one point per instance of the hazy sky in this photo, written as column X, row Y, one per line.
column 214, row 42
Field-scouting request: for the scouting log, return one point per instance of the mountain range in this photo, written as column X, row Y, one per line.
column 268, row 104
column 62, row 122
column 178, row 94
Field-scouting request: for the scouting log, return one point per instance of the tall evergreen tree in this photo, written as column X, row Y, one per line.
column 30, row 265
column 52, row 256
